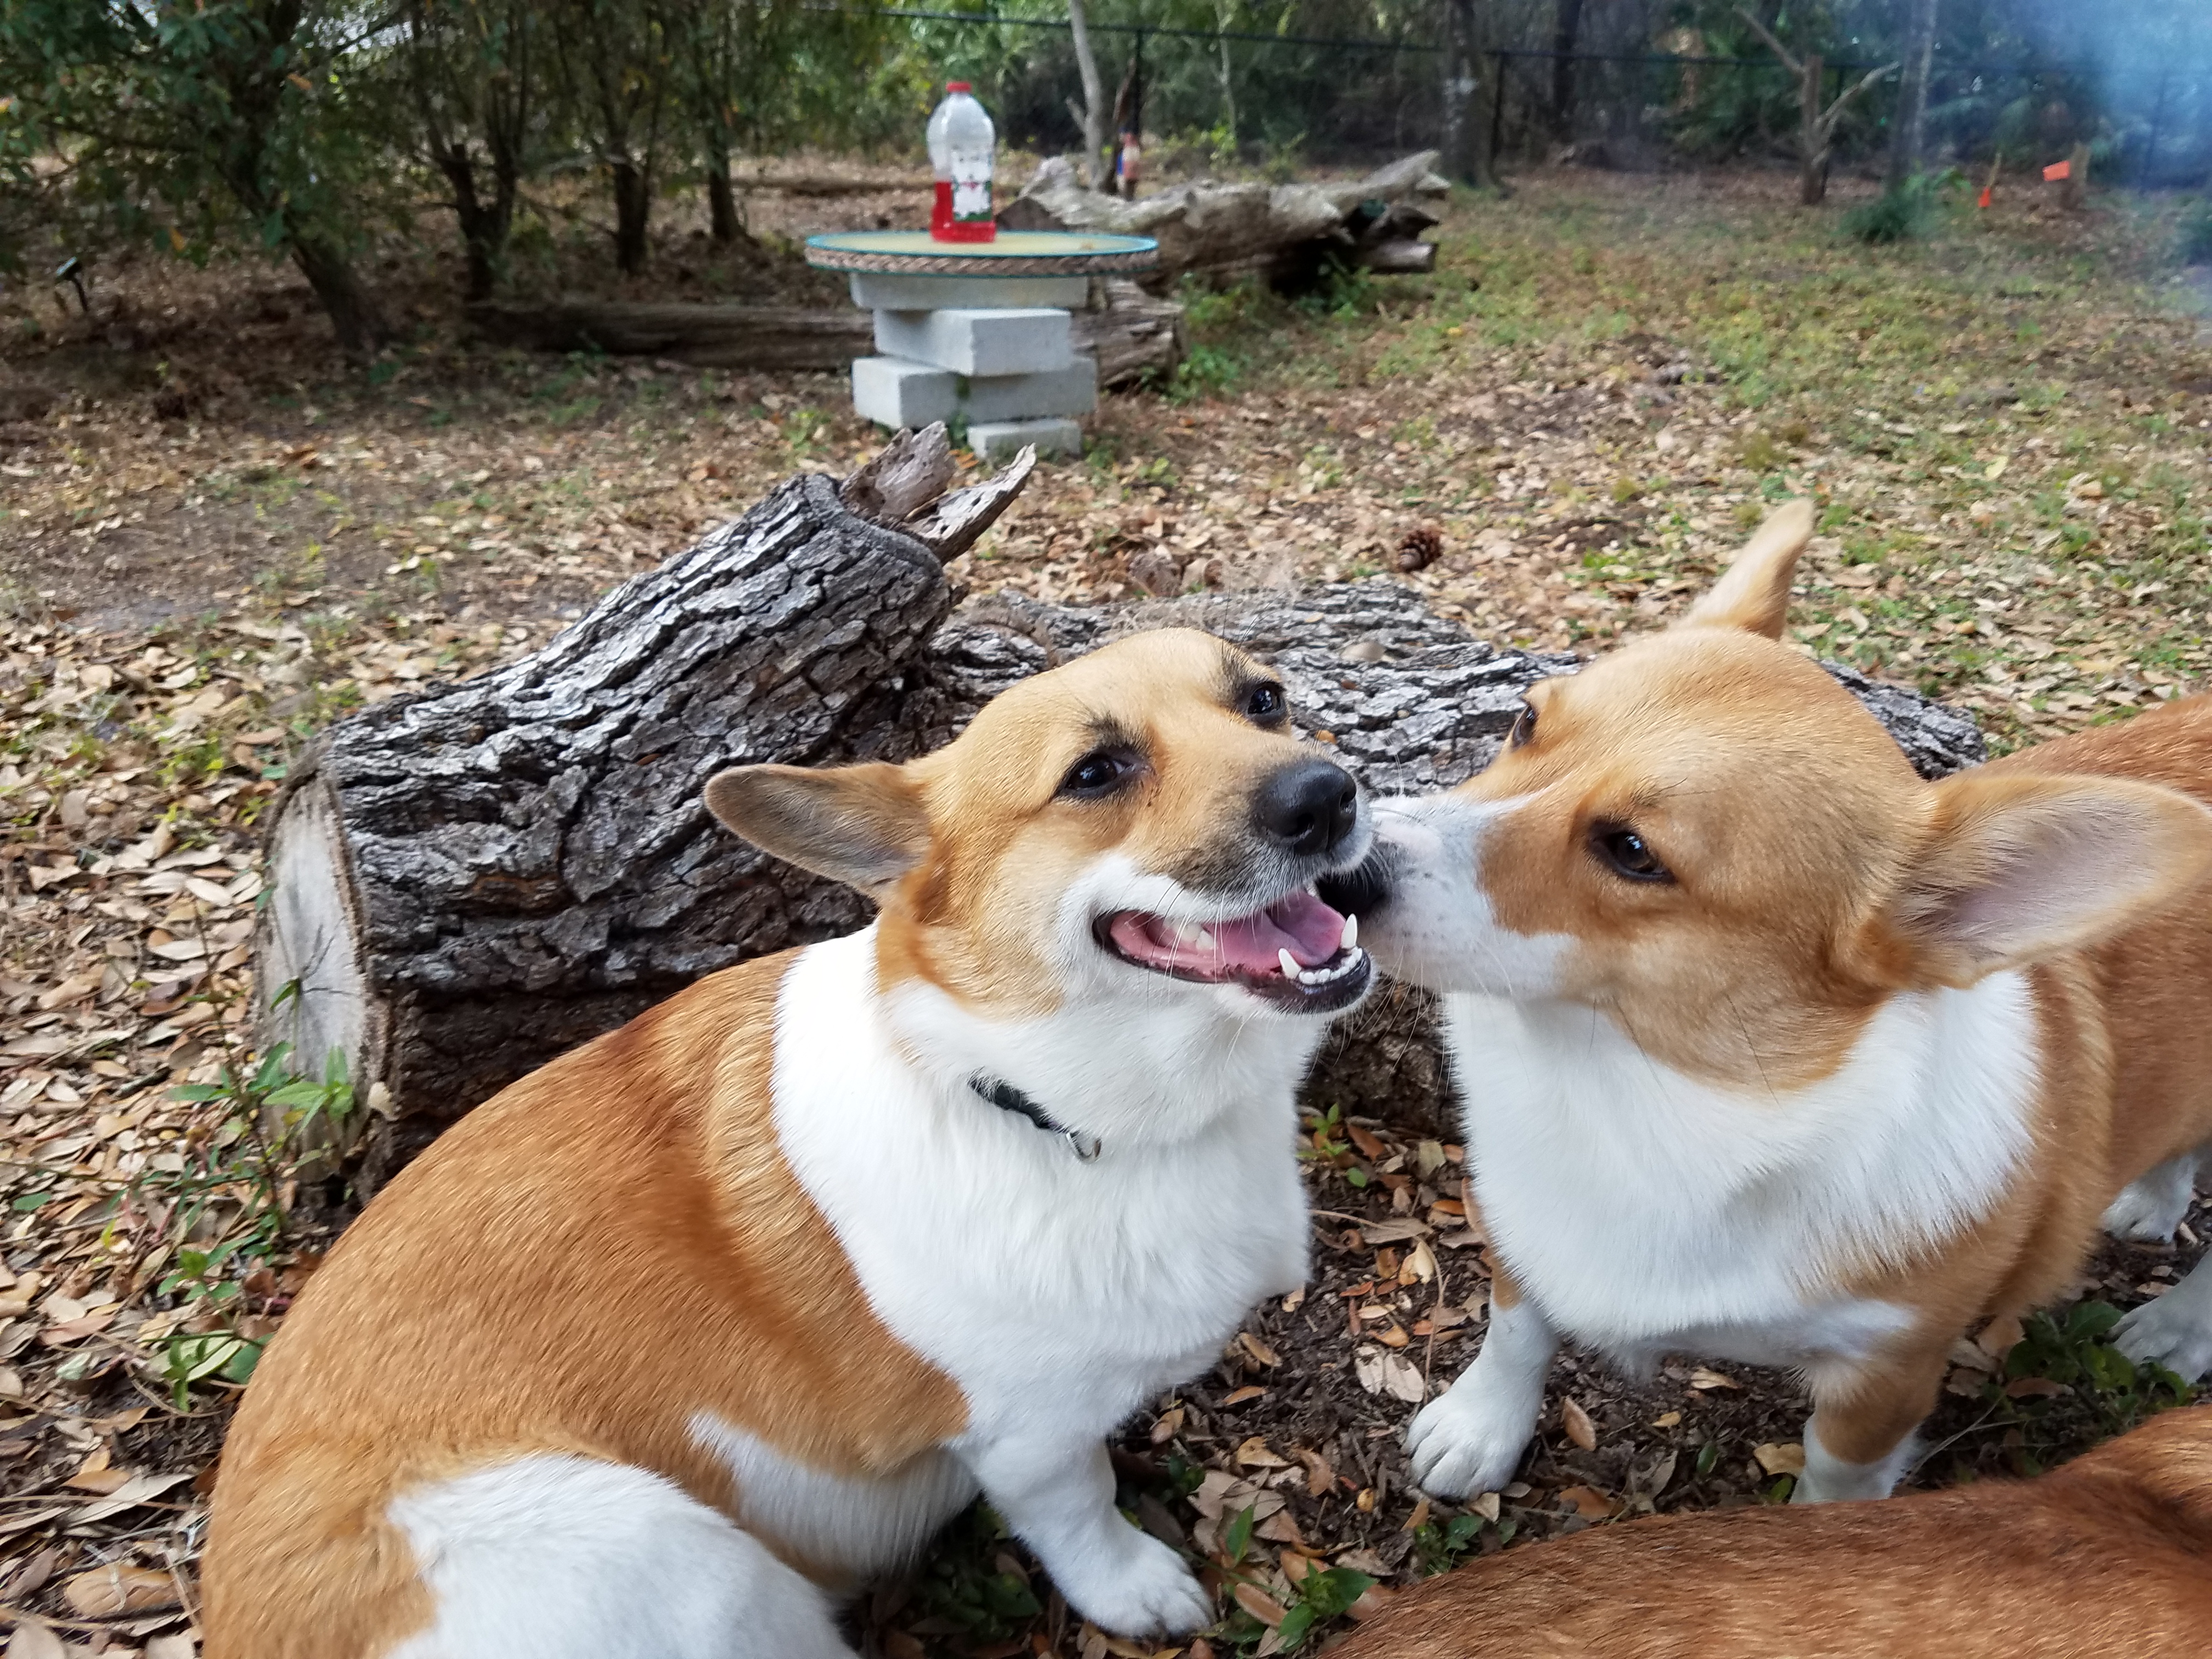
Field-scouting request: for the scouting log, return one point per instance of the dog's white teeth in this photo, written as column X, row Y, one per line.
column 1204, row 941
column 1290, row 963
column 1351, row 939
column 1189, row 937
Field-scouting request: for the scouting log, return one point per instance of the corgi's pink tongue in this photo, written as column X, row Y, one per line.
column 1301, row 924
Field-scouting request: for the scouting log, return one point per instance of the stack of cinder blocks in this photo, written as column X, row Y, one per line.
column 994, row 351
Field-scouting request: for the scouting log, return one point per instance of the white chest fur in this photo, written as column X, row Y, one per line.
column 1646, row 1212
column 1042, row 1284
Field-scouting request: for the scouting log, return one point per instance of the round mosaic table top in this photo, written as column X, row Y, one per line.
column 1012, row 254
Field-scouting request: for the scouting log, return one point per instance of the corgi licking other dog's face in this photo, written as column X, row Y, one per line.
column 735, row 1306
column 1772, row 1051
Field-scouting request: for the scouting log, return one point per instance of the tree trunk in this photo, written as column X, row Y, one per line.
column 723, row 224
column 1093, row 112
column 1813, row 179
column 467, row 881
column 354, row 314
column 633, row 209
column 1566, row 25
column 474, row 218
column 1906, row 146
column 1462, row 138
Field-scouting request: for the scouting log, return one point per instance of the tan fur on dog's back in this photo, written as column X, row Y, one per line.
column 622, row 1164
column 2108, row 1556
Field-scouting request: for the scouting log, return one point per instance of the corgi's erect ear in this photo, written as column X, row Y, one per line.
column 2022, row 866
column 1754, row 592
column 862, row 825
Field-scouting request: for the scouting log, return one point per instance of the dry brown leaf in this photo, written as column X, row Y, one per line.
column 1665, row 1419
column 1576, row 1422
column 1588, row 1501
column 1261, row 1352
column 1369, row 1143
column 1261, row 1605
column 1169, row 1424
column 1703, row 1379
column 118, row 1588
column 1784, row 1459
column 1254, row 1454
column 1238, row 1396
column 1281, row 1528
column 33, row 1640
column 1320, row 1474
column 2040, row 1387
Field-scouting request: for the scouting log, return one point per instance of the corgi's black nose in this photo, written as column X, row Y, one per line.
column 1307, row 807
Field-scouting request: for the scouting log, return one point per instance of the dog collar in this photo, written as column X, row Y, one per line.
column 1007, row 1098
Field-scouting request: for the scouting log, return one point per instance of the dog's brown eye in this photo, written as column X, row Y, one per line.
column 1265, row 705
column 1524, row 726
column 1627, row 853
column 1098, row 773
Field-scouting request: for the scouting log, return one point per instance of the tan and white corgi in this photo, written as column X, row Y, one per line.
column 711, row 1319
column 1771, row 1050
column 2103, row 1557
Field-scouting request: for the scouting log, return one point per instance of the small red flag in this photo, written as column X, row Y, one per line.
column 1982, row 200
column 2056, row 171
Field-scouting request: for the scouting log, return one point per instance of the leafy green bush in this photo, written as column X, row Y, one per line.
column 1902, row 213
column 2194, row 242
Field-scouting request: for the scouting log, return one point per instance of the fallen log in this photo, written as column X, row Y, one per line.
column 472, row 879
column 1226, row 230
column 1128, row 330
column 705, row 336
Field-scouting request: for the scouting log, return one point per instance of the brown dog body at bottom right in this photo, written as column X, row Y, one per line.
column 2109, row 1555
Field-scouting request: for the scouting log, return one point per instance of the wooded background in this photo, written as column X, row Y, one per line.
column 301, row 129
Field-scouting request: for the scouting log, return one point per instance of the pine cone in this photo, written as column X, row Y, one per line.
column 1421, row 548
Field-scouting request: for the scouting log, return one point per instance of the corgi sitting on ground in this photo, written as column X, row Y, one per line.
column 712, row 1319
column 1772, row 1051
column 2101, row 1558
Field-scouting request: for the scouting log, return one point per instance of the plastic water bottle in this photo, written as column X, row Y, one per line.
column 961, row 144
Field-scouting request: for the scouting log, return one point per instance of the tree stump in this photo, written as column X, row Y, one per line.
column 469, row 881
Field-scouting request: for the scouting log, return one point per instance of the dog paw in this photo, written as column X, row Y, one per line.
column 2152, row 1206
column 1134, row 1585
column 2172, row 1332
column 1466, row 1442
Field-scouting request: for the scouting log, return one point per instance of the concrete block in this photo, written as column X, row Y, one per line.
column 874, row 292
column 998, row 440
column 1070, row 389
column 895, row 392
column 974, row 341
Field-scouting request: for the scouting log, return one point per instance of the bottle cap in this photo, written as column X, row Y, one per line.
column 959, row 86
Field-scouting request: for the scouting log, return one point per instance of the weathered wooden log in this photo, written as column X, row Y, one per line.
column 1128, row 330
column 706, row 336
column 1222, row 230
column 471, row 880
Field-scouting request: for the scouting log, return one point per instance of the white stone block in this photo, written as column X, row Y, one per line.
column 978, row 341
column 875, row 292
column 1070, row 389
column 995, row 440
column 895, row 392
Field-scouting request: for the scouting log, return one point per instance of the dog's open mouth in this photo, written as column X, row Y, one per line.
column 1297, row 953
